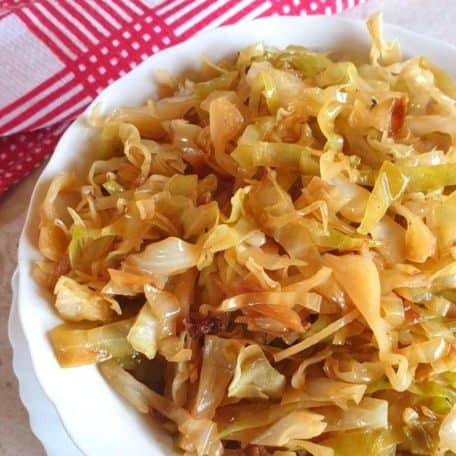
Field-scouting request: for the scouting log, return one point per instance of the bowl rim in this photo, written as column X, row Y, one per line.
column 52, row 434
column 24, row 257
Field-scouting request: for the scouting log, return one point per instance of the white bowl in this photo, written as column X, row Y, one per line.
column 95, row 417
column 49, row 430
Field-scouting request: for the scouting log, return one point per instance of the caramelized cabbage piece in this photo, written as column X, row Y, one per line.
column 327, row 391
column 155, row 321
column 53, row 240
column 217, row 368
column 76, row 302
column 77, row 344
column 199, row 435
column 389, row 187
column 301, row 424
column 370, row 413
column 377, row 442
column 254, row 377
column 265, row 256
column 168, row 257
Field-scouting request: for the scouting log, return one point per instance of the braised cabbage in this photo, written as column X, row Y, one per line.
column 265, row 256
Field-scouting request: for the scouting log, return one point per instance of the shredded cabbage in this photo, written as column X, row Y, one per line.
column 217, row 369
column 76, row 344
column 301, row 424
column 265, row 255
column 154, row 322
column 254, row 377
column 76, row 302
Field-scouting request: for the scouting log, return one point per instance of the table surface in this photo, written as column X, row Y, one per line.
column 434, row 18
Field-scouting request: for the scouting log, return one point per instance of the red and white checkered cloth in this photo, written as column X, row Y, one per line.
column 56, row 55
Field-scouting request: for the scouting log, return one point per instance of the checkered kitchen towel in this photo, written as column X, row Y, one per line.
column 56, row 55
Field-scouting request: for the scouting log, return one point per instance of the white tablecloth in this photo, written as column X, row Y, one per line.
column 434, row 18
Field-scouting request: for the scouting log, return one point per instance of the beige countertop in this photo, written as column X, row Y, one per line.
column 434, row 18
column 16, row 439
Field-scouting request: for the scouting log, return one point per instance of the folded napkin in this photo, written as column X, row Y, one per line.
column 57, row 55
